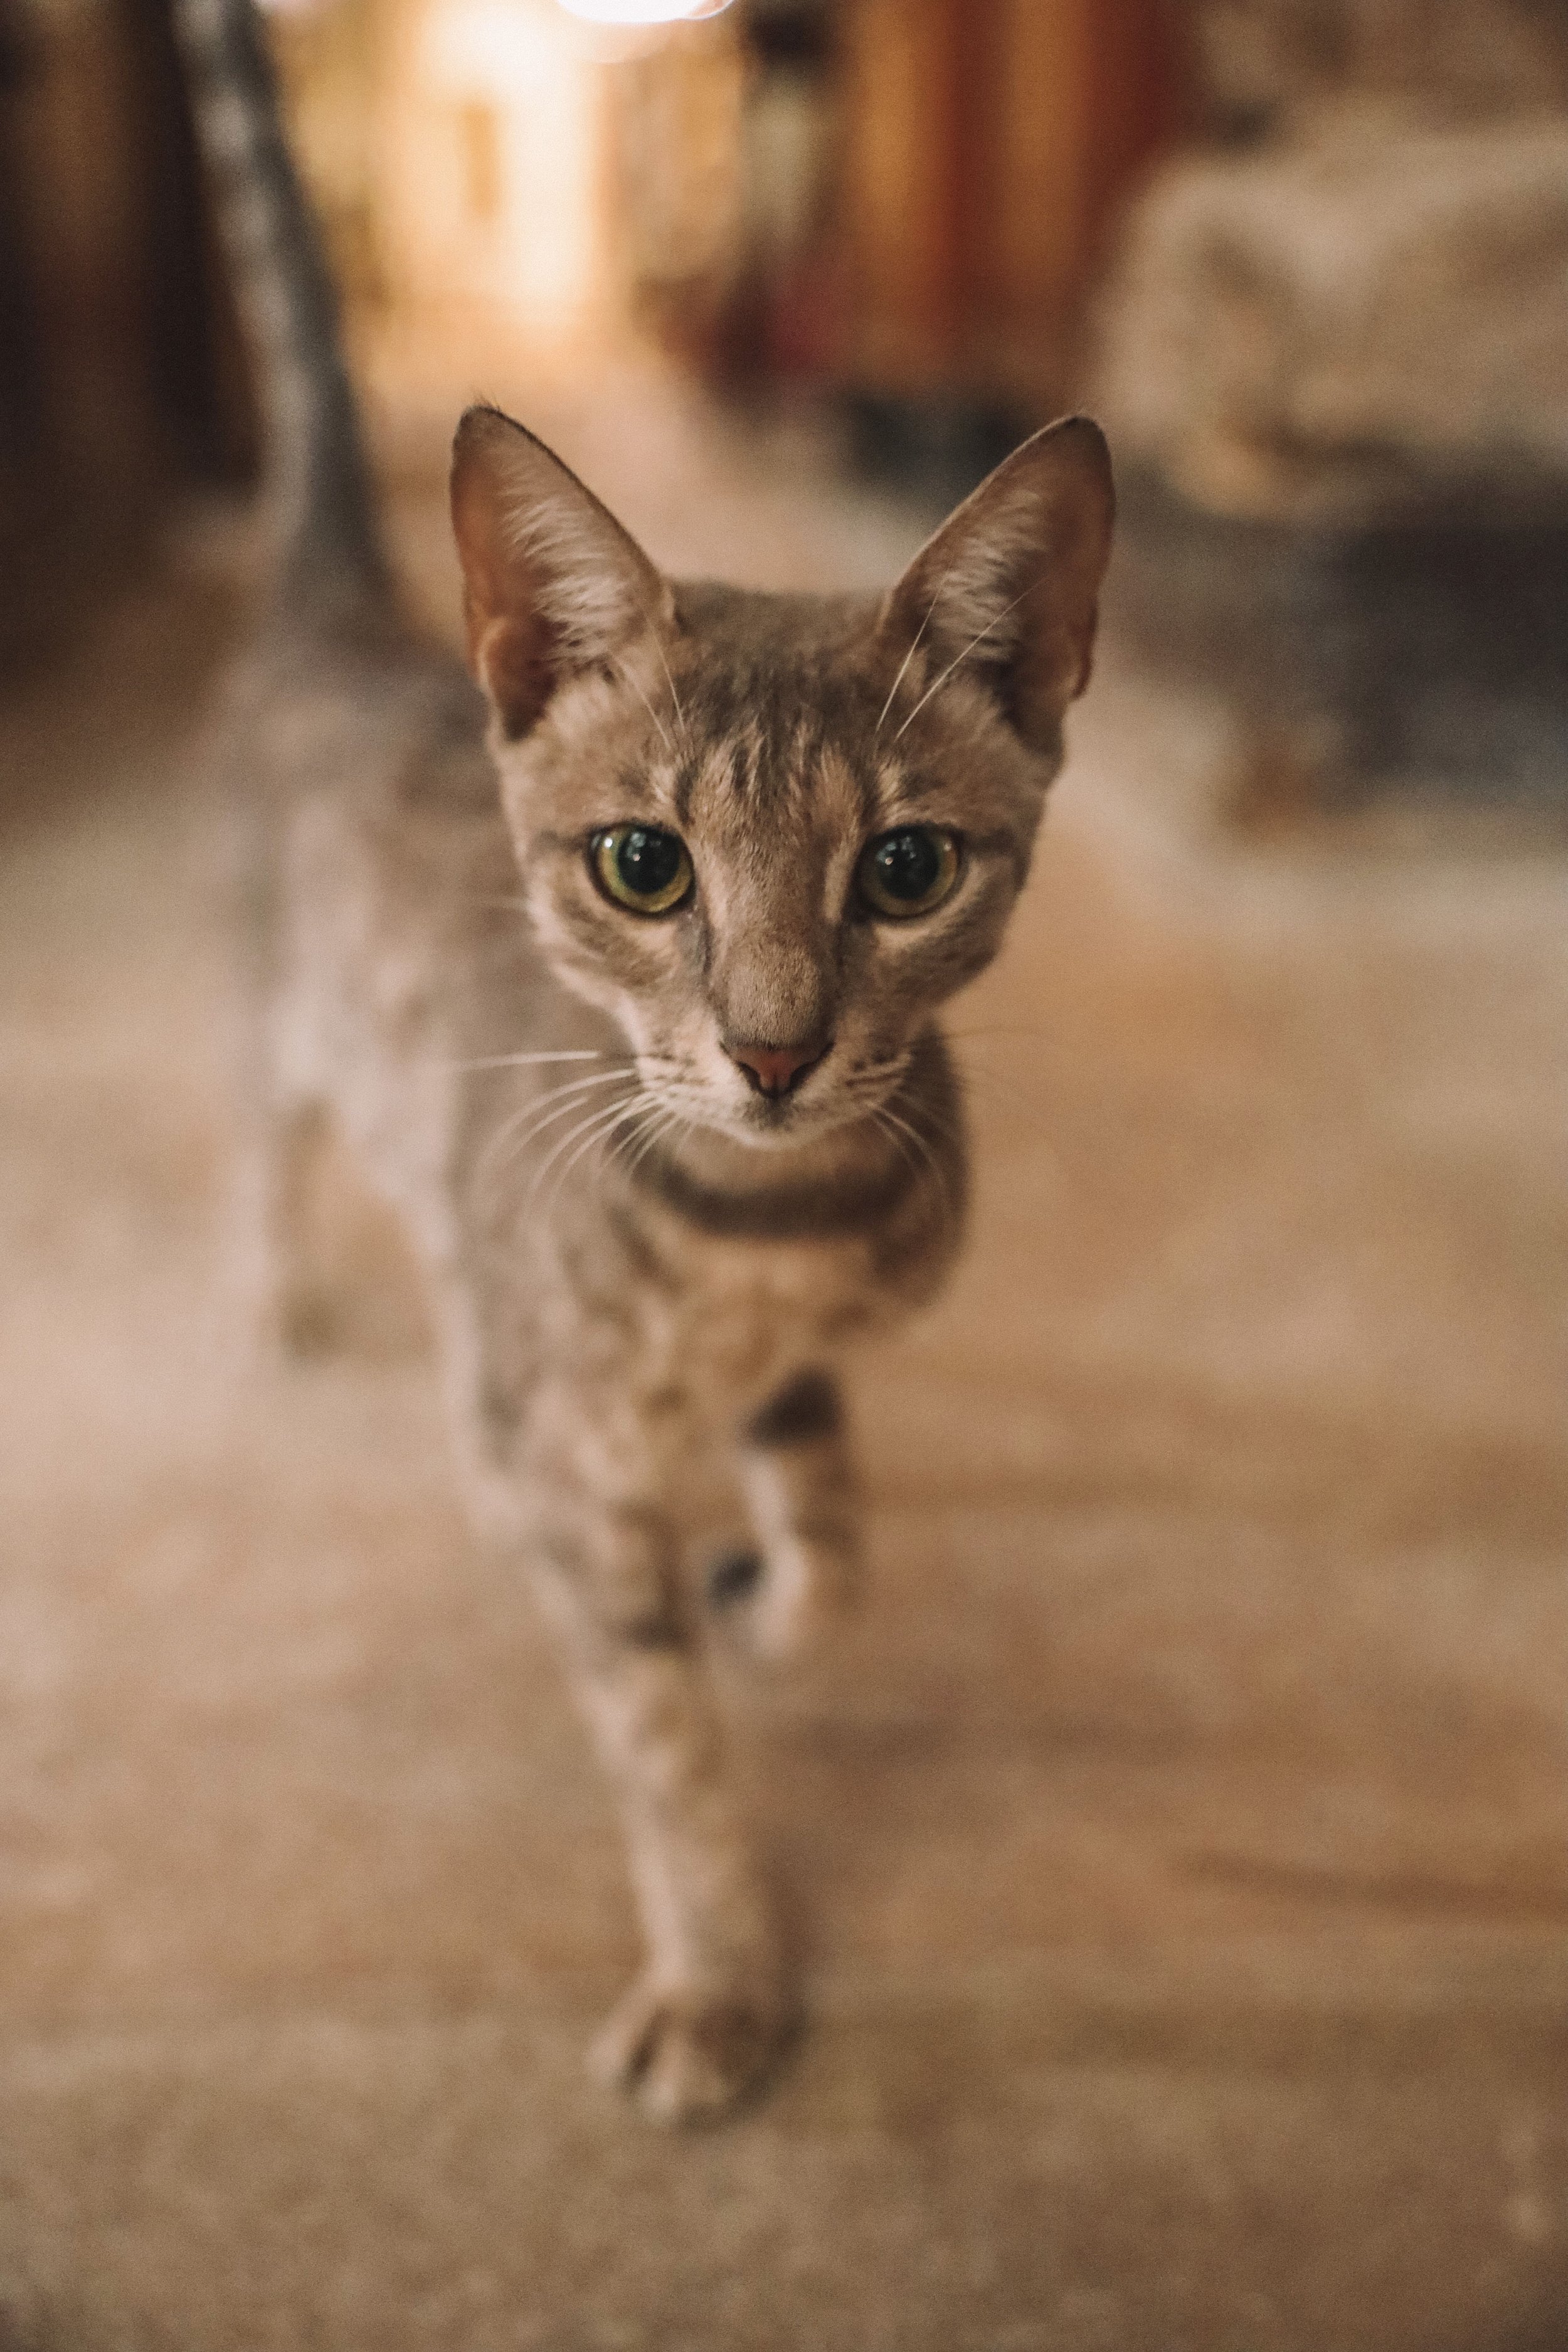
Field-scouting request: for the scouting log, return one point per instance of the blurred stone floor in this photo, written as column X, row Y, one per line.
column 1182, row 1853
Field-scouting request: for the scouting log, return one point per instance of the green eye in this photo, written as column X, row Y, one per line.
column 908, row 872
column 641, row 867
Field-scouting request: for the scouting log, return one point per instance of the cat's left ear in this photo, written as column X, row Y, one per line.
column 552, row 584
column 1009, row 586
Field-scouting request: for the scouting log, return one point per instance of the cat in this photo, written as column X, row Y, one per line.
column 618, row 964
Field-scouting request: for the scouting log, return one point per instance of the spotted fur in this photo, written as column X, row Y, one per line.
column 645, row 1271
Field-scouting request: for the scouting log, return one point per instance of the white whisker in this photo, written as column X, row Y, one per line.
column 521, row 1061
column 559, row 1102
column 666, row 1122
column 623, row 668
column 601, row 1134
column 608, row 1133
column 915, row 1166
column 598, row 1117
column 678, row 1125
column 636, row 1144
column 534, row 1116
column 563, row 1143
column 670, row 681
column 890, row 1121
column 640, row 1115
column 877, row 1076
column 929, row 1122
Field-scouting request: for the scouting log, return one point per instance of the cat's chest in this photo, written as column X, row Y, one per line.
column 733, row 1318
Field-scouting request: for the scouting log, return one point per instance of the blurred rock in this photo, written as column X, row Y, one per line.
column 1349, row 320
column 1263, row 61
column 1333, row 362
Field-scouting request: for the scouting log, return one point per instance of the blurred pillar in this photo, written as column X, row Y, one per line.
column 903, row 194
column 1334, row 367
column 990, row 140
column 115, row 379
column 85, row 228
column 22, row 399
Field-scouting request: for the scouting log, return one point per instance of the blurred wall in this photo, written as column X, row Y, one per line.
column 898, row 201
column 903, row 195
column 118, row 366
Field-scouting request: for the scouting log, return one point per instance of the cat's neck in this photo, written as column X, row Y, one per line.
column 849, row 1176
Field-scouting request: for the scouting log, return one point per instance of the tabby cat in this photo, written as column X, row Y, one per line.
column 621, row 976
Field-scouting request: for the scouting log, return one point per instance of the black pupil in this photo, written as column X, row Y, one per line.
column 647, row 862
column 908, row 864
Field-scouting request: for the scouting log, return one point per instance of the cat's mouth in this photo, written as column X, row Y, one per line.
column 766, row 1124
column 796, row 1109
column 769, row 1123
column 789, row 1122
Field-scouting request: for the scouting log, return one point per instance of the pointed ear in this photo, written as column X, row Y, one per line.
column 552, row 584
column 1009, row 585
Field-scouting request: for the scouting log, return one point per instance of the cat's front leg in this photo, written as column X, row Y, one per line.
column 805, row 1504
column 704, row 2022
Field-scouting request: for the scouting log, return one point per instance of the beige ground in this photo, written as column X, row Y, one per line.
column 1182, row 1864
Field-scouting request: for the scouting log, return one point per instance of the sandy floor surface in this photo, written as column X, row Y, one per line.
column 1182, row 1854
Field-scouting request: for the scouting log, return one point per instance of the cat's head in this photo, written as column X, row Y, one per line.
column 769, row 835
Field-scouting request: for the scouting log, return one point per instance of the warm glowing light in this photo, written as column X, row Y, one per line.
column 500, row 197
column 643, row 12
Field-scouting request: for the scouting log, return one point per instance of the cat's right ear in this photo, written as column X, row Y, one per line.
column 552, row 584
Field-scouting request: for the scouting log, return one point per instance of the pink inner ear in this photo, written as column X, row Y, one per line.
column 508, row 647
column 552, row 584
column 511, row 659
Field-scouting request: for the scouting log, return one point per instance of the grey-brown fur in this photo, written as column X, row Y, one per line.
column 644, row 1270
column 804, row 1410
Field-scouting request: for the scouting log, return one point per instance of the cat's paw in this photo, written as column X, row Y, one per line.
column 688, row 2055
column 808, row 1594
column 789, row 1606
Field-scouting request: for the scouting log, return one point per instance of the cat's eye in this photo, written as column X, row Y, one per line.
column 908, row 872
column 641, row 867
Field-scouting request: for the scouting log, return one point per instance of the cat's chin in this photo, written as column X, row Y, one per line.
column 779, row 1129
column 783, row 1132
column 824, row 1140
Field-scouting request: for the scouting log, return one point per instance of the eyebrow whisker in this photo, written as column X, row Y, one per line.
column 670, row 681
column 621, row 664
column 968, row 649
column 909, row 657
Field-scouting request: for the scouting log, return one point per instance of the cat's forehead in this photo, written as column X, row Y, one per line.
column 789, row 781
column 777, row 712
column 772, row 665
column 756, row 632
column 764, row 720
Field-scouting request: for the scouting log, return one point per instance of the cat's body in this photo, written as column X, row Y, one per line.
column 642, row 1049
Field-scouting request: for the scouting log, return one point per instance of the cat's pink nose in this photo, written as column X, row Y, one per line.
column 775, row 1070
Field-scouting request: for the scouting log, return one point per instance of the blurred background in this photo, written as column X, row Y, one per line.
column 1305, row 257
column 1180, row 1849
